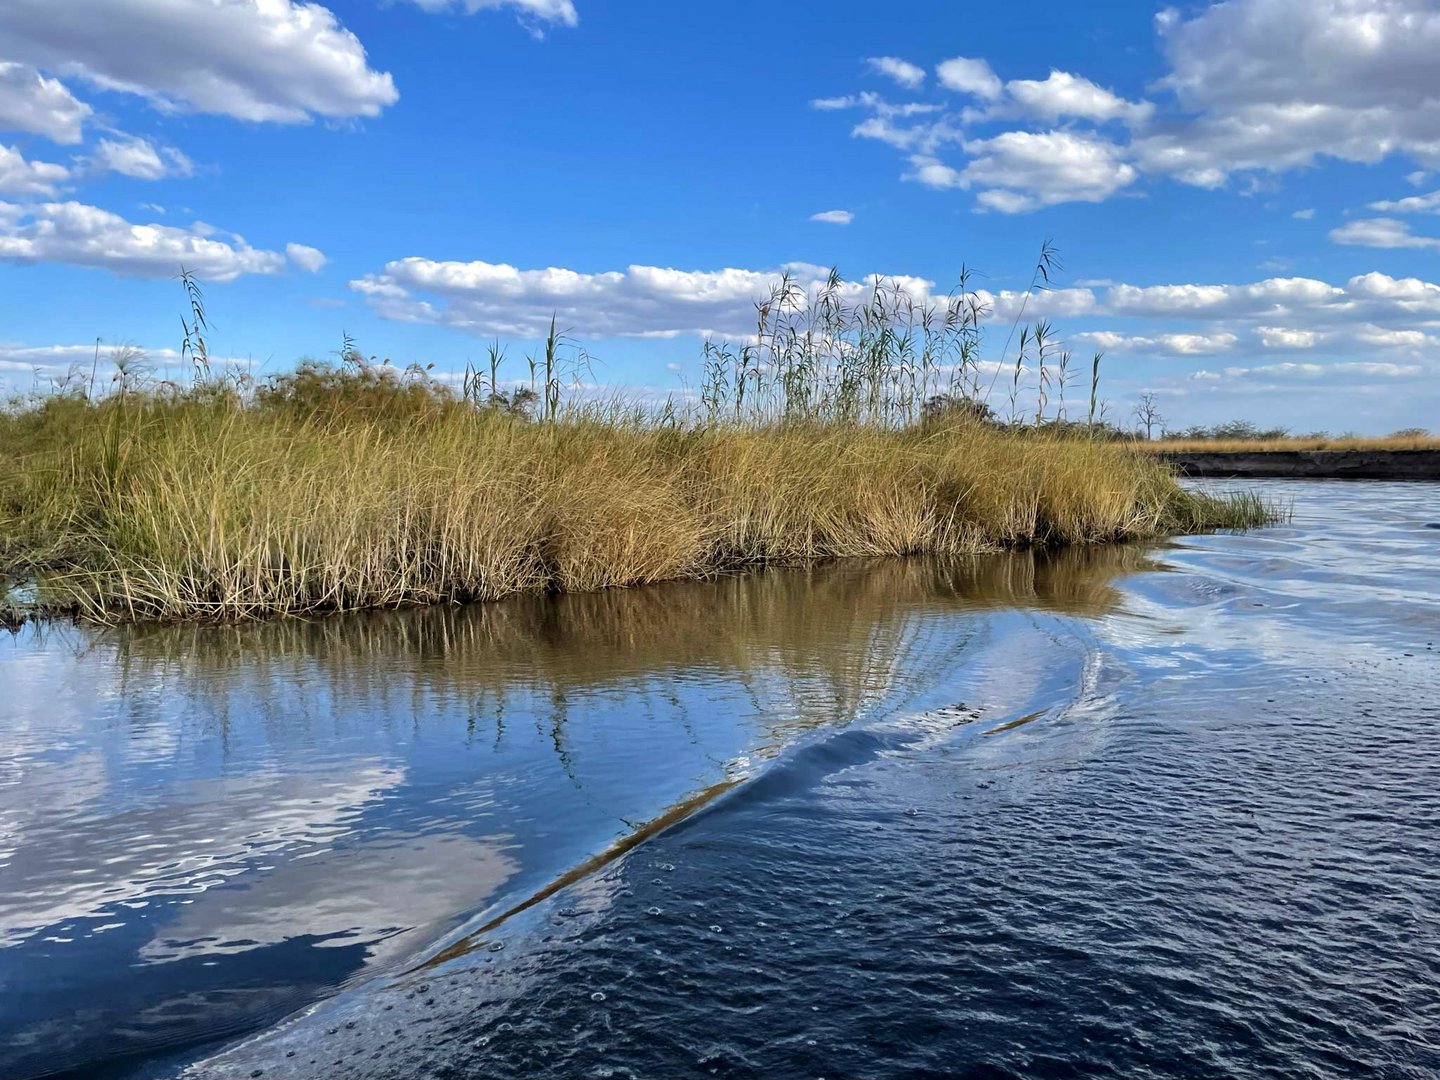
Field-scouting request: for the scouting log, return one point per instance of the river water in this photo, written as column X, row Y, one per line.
column 1146, row 811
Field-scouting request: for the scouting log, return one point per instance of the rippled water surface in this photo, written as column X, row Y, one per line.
column 1169, row 811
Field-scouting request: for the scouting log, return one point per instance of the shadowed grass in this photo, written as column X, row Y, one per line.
column 209, row 505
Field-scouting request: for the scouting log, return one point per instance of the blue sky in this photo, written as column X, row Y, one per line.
column 1244, row 194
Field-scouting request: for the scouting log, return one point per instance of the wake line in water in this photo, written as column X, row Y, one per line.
column 806, row 764
column 370, row 1021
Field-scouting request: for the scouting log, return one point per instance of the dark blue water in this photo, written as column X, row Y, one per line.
column 1146, row 813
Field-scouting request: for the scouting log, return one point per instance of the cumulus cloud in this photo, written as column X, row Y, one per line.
column 81, row 235
column 1252, row 87
column 21, row 177
column 1022, row 170
column 639, row 301
column 969, row 76
column 1280, row 337
column 1368, row 314
column 1381, row 233
column 903, row 72
column 306, row 257
column 833, row 217
column 31, row 102
column 270, row 60
column 1273, row 84
column 1063, row 94
column 139, row 158
column 1358, row 334
column 934, row 173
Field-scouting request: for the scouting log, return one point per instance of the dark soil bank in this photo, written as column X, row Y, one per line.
column 1319, row 464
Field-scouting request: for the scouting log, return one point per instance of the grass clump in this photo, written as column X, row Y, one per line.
column 341, row 488
column 180, row 509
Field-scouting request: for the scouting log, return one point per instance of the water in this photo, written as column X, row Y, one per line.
column 1163, row 811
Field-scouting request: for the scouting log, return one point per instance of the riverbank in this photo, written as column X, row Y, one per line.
column 210, row 506
column 1312, row 464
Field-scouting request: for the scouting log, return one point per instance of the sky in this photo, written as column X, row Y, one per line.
column 1245, row 195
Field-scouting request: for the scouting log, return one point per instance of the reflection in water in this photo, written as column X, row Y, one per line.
column 814, row 623
column 1190, row 838
column 203, row 828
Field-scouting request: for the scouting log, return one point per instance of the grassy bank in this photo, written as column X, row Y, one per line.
column 1424, row 441
column 141, row 507
column 853, row 422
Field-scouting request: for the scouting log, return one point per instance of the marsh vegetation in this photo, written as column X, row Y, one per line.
column 856, row 421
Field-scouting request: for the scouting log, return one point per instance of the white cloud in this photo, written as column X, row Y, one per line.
column 1279, row 337
column 883, row 130
column 140, row 158
column 834, row 217
column 877, row 105
column 1063, row 94
column 903, row 72
column 1392, row 324
column 29, row 365
column 1253, row 87
column 1412, row 204
column 1381, row 233
column 1391, row 371
column 1160, row 344
column 272, row 60
column 533, row 11
column 1303, row 215
column 1273, row 84
column 305, row 257
column 1025, row 170
column 1418, row 178
column 934, row 173
column 21, row 177
column 81, row 235
column 31, row 102
column 905, row 125
column 53, row 360
column 1014, row 171
column 640, row 301
column 1271, row 297
column 969, row 76
column 1312, row 371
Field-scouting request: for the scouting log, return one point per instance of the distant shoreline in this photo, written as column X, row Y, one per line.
column 1312, row 464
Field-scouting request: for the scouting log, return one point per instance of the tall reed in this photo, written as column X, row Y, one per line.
column 851, row 424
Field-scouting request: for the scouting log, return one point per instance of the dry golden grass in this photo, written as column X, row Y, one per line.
column 1391, row 442
column 143, row 508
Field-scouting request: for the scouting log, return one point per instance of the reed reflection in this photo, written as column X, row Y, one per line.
column 835, row 635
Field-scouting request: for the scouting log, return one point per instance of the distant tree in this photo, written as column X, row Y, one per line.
column 944, row 408
column 1147, row 412
column 1411, row 433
